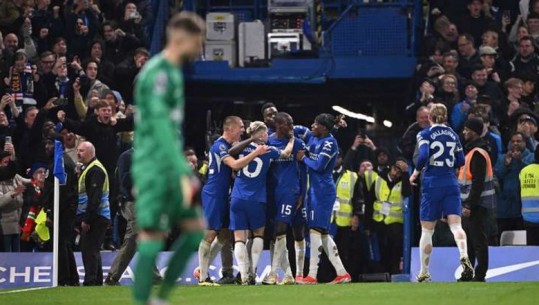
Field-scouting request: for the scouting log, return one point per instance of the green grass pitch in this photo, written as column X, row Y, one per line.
column 362, row 293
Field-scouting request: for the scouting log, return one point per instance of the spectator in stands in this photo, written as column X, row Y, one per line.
column 71, row 142
column 382, row 161
column 80, row 37
column 45, row 67
column 408, row 141
column 11, row 15
column 118, row 44
column 59, row 47
column 469, row 57
column 100, row 130
column 488, row 58
column 34, row 198
column 27, row 137
column 8, row 101
column 82, row 23
column 486, row 87
column 126, row 72
column 448, row 94
column 533, row 27
column 513, row 86
column 527, row 125
column 444, row 36
column 461, row 110
column 491, row 39
column 526, row 60
column 423, row 97
column 529, row 94
column 361, row 149
column 11, row 190
column 492, row 139
column 105, row 66
column 518, row 31
column 131, row 23
column 475, row 22
column 450, row 64
column 529, row 192
column 91, row 83
column 507, row 170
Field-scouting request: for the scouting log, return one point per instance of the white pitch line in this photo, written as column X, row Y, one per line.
column 24, row 290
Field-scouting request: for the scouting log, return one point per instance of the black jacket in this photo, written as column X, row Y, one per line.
column 103, row 136
column 409, row 140
column 477, row 168
column 68, row 191
column 124, row 175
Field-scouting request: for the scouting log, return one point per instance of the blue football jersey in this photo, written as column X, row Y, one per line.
column 440, row 153
column 320, row 163
column 302, row 132
column 286, row 171
column 219, row 175
column 250, row 183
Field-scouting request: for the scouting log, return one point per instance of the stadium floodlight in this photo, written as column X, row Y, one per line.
column 388, row 124
column 354, row 115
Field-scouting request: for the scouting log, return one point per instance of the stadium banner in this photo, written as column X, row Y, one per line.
column 506, row 264
column 25, row 270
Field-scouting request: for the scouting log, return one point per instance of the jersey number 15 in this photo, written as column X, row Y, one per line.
column 437, row 159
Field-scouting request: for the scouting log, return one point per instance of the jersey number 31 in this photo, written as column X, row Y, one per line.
column 439, row 149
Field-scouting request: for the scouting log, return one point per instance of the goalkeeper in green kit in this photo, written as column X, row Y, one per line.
column 161, row 174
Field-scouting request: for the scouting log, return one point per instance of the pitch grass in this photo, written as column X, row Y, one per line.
column 371, row 294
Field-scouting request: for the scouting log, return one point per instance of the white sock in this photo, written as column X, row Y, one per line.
column 215, row 247
column 204, row 259
column 316, row 250
column 425, row 247
column 278, row 252
column 249, row 247
column 460, row 239
column 256, row 251
column 333, row 254
column 300, row 256
column 285, row 263
column 240, row 252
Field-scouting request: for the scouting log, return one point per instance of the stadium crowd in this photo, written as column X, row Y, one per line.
column 67, row 74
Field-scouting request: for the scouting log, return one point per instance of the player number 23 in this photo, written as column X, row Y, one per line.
column 439, row 149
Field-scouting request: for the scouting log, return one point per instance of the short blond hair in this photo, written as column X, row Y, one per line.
column 438, row 113
column 255, row 127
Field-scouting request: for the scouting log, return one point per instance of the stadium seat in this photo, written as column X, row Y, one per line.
column 513, row 238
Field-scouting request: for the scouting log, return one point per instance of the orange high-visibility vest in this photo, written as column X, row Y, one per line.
column 488, row 198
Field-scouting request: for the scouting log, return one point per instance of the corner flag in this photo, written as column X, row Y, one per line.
column 58, row 170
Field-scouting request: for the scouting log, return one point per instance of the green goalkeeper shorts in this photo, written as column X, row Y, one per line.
column 159, row 204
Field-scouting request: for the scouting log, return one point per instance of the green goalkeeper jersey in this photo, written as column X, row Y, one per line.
column 160, row 100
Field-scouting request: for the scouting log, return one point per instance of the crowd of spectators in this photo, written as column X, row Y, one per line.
column 480, row 59
column 67, row 70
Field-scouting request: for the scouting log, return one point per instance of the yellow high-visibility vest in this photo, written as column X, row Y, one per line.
column 345, row 193
column 393, row 196
column 529, row 193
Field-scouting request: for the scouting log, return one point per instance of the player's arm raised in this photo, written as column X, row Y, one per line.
column 237, row 164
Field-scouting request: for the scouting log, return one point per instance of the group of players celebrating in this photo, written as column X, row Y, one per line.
column 296, row 191
column 271, row 182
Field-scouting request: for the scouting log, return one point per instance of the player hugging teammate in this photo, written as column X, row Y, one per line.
column 272, row 171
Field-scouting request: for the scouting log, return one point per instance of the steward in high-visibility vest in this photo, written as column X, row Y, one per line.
column 345, row 193
column 469, row 193
column 477, row 194
column 388, row 195
column 529, row 193
column 92, row 209
column 384, row 211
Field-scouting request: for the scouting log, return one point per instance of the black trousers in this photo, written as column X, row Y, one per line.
column 476, row 232
column 532, row 233
column 90, row 246
column 390, row 238
column 67, row 267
